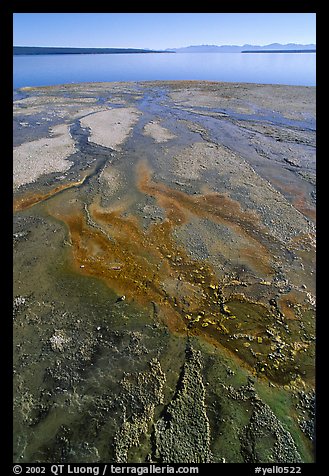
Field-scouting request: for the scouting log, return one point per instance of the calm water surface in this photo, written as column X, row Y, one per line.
column 269, row 68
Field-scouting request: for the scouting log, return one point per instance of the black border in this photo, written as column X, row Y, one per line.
column 6, row 80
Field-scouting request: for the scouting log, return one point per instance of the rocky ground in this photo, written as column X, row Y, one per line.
column 164, row 273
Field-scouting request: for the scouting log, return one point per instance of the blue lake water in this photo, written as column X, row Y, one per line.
column 269, row 68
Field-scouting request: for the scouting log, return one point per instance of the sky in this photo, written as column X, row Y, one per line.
column 161, row 30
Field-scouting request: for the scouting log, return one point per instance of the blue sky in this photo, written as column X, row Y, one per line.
column 161, row 30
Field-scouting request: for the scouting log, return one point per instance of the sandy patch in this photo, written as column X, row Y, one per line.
column 43, row 156
column 157, row 132
column 68, row 111
column 111, row 128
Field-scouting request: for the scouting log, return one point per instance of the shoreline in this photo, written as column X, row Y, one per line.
column 158, row 81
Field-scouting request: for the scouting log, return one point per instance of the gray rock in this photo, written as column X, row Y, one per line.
column 182, row 435
column 265, row 439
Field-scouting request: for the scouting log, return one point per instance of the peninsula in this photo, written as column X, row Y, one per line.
column 53, row 50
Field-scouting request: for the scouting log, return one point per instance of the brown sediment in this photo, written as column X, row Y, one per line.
column 288, row 305
column 29, row 200
column 306, row 209
column 300, row 202
column 298, row 199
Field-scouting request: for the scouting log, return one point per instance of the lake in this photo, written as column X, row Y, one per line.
column 267, row 68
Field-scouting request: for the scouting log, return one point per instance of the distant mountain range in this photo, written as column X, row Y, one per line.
column 239, row 49
column 273, row 47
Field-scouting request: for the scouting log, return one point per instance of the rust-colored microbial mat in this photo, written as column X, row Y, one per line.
column 149, row 266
